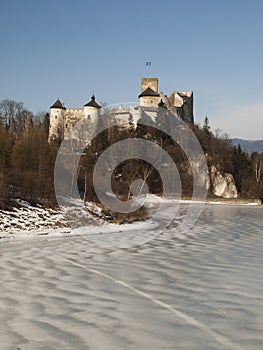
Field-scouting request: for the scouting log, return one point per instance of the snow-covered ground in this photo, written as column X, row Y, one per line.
column 32, row 221
column 27, row 218
column 29, row 221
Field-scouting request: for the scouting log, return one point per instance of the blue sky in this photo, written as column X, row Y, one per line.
column 67, row 49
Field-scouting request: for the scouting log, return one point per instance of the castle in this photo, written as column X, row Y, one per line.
column 62, row 119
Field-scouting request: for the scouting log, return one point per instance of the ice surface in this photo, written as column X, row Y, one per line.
column 200, row 289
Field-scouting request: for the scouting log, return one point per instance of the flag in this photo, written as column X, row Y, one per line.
column 148, row 63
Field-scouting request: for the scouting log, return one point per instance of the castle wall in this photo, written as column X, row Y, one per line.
column 185, row 111
column 72, row 116
column 182, row 103
column 149, row 101
column 136, row 115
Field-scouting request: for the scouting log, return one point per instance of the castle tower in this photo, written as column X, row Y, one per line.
column 92, row 109
column 91, row 117
column 56, row 128
column 151, row 83
column 149, row 95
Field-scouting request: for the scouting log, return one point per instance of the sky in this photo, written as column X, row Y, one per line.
column 68, row 49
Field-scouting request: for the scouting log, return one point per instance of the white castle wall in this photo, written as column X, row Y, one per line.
column 72, row 116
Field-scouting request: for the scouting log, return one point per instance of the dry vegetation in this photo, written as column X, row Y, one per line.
column 27, row 161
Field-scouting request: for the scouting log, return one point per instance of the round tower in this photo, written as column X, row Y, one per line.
column 56, row 128
column 92, row 110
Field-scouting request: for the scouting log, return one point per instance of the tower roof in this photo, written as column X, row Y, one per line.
column 58, row 104
column 92, row 103
column 149, row 92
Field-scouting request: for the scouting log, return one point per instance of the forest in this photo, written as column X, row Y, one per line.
column 27, row 159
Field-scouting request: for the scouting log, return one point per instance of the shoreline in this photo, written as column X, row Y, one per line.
column 233, row 201
column 29, row 220
column 209, row 200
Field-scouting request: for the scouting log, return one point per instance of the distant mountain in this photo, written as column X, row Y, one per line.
column 249, row 146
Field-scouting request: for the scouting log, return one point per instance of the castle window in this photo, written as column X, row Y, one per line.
column 66, row 125
column 88, row 116
column 56, row 116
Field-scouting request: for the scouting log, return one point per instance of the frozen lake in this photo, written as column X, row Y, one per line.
column 202, row 290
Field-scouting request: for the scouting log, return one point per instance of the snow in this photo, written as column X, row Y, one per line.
column 28, row 218
column 33, row 221
column 29, row 221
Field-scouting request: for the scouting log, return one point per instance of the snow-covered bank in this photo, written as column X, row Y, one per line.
column 34, row 221
column 28, row 221
column 26, row 217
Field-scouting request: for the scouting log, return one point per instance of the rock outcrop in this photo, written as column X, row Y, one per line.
column 223, row 185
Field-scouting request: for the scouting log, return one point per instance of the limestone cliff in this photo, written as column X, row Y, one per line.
column 223, row 185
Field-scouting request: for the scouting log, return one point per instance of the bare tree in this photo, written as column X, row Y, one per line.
column 257, row 164
column 10, row 110
column 132, row 170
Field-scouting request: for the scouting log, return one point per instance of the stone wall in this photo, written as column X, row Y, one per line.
column 183, row 101
column 149, row 82
column 149, row 101
column 72, row 116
